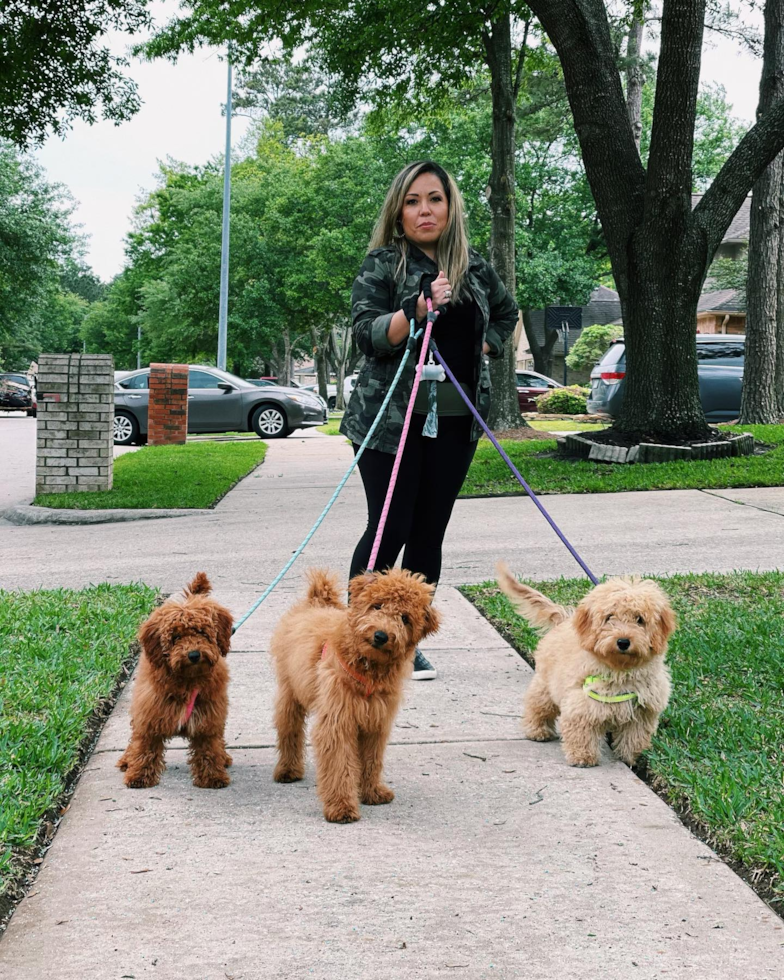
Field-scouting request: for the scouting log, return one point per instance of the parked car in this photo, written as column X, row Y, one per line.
column 17, row 393
column 217, row 402
column 720, row 360
column 349, row 383
column 332, row 390
column 531, row 384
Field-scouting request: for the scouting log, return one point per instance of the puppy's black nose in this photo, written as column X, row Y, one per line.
column 194, row 656
column 380, row 638
column 624, row 644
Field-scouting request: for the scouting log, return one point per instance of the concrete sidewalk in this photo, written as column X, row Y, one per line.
column 496, row 859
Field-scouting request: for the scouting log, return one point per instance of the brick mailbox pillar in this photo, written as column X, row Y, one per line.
column 167, row 421
column 75, row 423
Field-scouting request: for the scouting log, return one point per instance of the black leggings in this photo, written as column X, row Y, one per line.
column 428, row 482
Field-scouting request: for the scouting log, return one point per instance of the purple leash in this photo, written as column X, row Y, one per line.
column 511, row 465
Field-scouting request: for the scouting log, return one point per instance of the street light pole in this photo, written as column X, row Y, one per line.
column 224, row 270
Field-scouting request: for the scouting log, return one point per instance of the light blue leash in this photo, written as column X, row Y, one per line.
column 410, row 345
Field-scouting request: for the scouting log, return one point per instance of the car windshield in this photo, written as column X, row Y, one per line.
column 615, row 355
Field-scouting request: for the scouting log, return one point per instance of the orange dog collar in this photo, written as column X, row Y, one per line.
column 367, row 684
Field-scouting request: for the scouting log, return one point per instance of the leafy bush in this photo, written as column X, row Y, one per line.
column 592, row 345
column 564, row 401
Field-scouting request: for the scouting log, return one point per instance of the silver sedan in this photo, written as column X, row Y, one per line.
column 217, row 402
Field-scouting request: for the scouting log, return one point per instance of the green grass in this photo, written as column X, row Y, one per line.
column 490, row 476
column 332, row 428
column 719, row 753
column 194, row 475
column 564, row 425
column 61, row 655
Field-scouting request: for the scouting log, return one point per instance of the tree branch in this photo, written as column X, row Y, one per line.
column 722, row 201
column 675, row 108
column 580, row 32
column 521, row 62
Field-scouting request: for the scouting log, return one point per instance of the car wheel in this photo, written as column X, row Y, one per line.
column 126, row 429
column 32, row 413
column 269, row 422
column 331, row 403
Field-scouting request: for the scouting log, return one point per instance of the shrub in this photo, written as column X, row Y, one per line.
column 592, row 345
column 564, row 401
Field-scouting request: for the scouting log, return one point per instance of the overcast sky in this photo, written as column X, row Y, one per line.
column 106, row 167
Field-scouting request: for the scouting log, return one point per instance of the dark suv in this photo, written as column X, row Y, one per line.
column 719, row 367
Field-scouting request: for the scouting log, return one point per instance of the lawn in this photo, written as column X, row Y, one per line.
column 332, row 428
column 62, row 654
column 718, row 756
column 490, row 476
column 197, row 474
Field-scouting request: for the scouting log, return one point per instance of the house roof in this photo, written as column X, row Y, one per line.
column 604, row 306
column 738, row 230
column 722, row 301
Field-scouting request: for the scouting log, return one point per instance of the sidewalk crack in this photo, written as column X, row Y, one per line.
column 742, row 503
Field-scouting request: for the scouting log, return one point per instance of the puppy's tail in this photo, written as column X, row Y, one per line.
column 199, row 586
column 324, row 589
column 532, row 605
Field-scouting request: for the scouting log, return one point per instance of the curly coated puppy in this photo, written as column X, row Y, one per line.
column 181, row 689
column 600, row 667
column 347, row 665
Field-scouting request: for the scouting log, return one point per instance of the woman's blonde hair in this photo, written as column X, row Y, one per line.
column 452, row 248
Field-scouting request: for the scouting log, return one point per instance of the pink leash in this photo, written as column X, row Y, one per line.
column 431, row 316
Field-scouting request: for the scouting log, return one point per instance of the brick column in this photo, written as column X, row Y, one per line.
column 167, row 421
column 75, row 423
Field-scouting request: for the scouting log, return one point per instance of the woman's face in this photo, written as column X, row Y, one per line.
column 425, row 212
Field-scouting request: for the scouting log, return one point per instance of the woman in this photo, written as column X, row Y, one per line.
column 421, row 233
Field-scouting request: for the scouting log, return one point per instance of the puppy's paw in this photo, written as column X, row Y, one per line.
column 283, row 774
column 539, row 734
column 212, row 780
column 583, row 763
column 377, row 795
column 142, row 780
column 342, row 813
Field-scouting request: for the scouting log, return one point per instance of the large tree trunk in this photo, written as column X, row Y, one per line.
column 542, row 353
column 780, row 318
column 759, row 401
column 634, row 77
column 505, row 410
column 320, row 361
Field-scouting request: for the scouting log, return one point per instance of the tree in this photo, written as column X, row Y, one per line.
column 592, row 344
column 659, row 248
column 759, row 402
column 54, row 70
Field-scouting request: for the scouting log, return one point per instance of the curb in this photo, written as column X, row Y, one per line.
column 27, row 514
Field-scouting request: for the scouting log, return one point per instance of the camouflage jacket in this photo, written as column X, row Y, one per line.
column 377, row 295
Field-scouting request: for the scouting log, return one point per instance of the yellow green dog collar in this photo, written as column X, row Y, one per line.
column 605, row 698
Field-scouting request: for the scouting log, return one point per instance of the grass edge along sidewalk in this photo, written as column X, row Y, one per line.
column 64, row 657
column 718, row 755
column 195, row 475
column 489, row 475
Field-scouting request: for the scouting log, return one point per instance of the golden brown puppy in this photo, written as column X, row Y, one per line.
column 181, row 689
column 600, row 667
column 347, row 665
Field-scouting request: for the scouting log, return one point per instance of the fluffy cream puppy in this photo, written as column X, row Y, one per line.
column 599, row 668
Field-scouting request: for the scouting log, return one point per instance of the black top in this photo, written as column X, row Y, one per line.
column 453, row 333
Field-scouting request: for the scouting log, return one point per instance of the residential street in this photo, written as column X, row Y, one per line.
column 496, row 859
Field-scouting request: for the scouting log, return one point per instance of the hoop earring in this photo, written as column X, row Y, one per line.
column 398, row 231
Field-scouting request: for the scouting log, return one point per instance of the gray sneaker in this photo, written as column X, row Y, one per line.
column 423, row 669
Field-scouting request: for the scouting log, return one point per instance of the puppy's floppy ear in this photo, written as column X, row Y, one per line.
column 150, row 639
column 360, row 582
column 583, row 623
column 432, row 621
column 667, row 623
column 223, row 626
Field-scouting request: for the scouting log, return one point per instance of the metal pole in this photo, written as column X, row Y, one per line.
column 565, row 325
column 138, row 346
column 224, row 270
